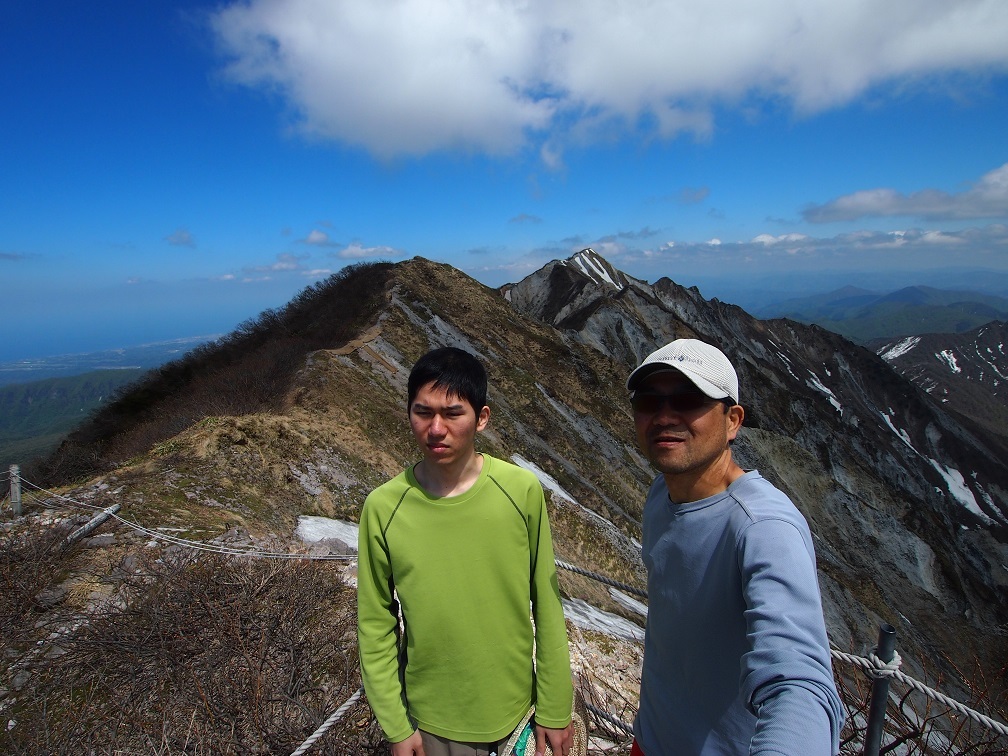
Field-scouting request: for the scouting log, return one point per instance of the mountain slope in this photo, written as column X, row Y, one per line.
column 967, row 373
column 302, row 412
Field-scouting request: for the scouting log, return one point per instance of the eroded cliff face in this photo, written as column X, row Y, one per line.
column 909, row 505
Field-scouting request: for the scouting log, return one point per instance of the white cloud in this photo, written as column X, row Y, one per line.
column 905, row 249
column 181, row 237
column 356, row 252
column 987, row 198
column 318, row 238
column 769, row 240
column 285, row 263
column 407, row 77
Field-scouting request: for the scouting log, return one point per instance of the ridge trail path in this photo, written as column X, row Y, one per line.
column 363, row 343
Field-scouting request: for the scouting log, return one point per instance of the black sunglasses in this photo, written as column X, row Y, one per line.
column 681, row 401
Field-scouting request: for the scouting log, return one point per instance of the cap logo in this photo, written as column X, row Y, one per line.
column 686, row 358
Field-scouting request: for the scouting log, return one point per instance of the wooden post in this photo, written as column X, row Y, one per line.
column 15, row 489
column 91, row 524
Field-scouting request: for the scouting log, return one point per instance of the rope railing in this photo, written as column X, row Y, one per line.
column 605, row 715
column 216, row 548
column 602, row 579
column 333, row 719
column 876, row 668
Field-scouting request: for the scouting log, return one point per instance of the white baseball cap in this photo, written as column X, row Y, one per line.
column 705, row 365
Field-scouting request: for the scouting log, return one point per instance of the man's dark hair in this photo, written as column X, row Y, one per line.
column 453, row 369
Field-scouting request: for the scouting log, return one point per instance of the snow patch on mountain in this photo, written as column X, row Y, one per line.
column 948, row 356
column 588, row 617
column 900, row 348
column 900, row 433
column 590, row 265
column 959, row 490
column 315, row 529
column 818, row 385
column 628, row 602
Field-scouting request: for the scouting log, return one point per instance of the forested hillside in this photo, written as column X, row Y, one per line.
column 35, row 416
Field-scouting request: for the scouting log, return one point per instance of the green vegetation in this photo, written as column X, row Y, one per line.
column 35, row 416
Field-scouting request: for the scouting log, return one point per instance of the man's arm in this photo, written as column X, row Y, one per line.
column 787, row 677
column 377, row 629
column 554, row 689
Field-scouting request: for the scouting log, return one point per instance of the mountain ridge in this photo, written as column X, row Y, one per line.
column 301, row 412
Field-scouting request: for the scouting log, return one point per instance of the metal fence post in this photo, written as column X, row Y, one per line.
column 879, row 692
column 15, row 489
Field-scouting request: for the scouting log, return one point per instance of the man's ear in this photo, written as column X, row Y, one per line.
column 734, row 419
column 483, row 419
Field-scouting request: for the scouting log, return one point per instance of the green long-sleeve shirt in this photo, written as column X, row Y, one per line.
column 466, row 570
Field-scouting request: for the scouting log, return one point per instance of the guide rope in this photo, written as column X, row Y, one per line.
column 875, row 668
column 333, row 719
column 602, row 579
column 204, row 546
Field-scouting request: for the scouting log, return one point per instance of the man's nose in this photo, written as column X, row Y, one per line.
column 437, row 426
column 666, row 414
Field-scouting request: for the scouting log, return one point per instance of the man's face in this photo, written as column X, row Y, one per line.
column 444, row 425
column 683, row 440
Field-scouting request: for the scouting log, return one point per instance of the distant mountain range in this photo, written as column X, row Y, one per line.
column 35, row 416
column 43, row 399
column 864, row 316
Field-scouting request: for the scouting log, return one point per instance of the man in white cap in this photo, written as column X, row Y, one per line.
column 736, row 659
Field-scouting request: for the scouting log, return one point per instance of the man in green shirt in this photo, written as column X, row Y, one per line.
column 460, row 544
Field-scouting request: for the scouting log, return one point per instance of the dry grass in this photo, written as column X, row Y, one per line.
column 212, row 654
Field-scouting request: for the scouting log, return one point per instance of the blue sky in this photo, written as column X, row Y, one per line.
column 172, row 169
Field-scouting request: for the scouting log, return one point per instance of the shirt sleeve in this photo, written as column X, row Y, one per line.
column 787, row 678
column 554, row 688
column 378, row 629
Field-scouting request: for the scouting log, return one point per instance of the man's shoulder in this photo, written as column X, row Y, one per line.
column 519, row 484
column 511, row 476
column 389, row 491
column 762, row 500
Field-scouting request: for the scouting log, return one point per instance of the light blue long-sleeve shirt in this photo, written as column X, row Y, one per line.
column 736, row 659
